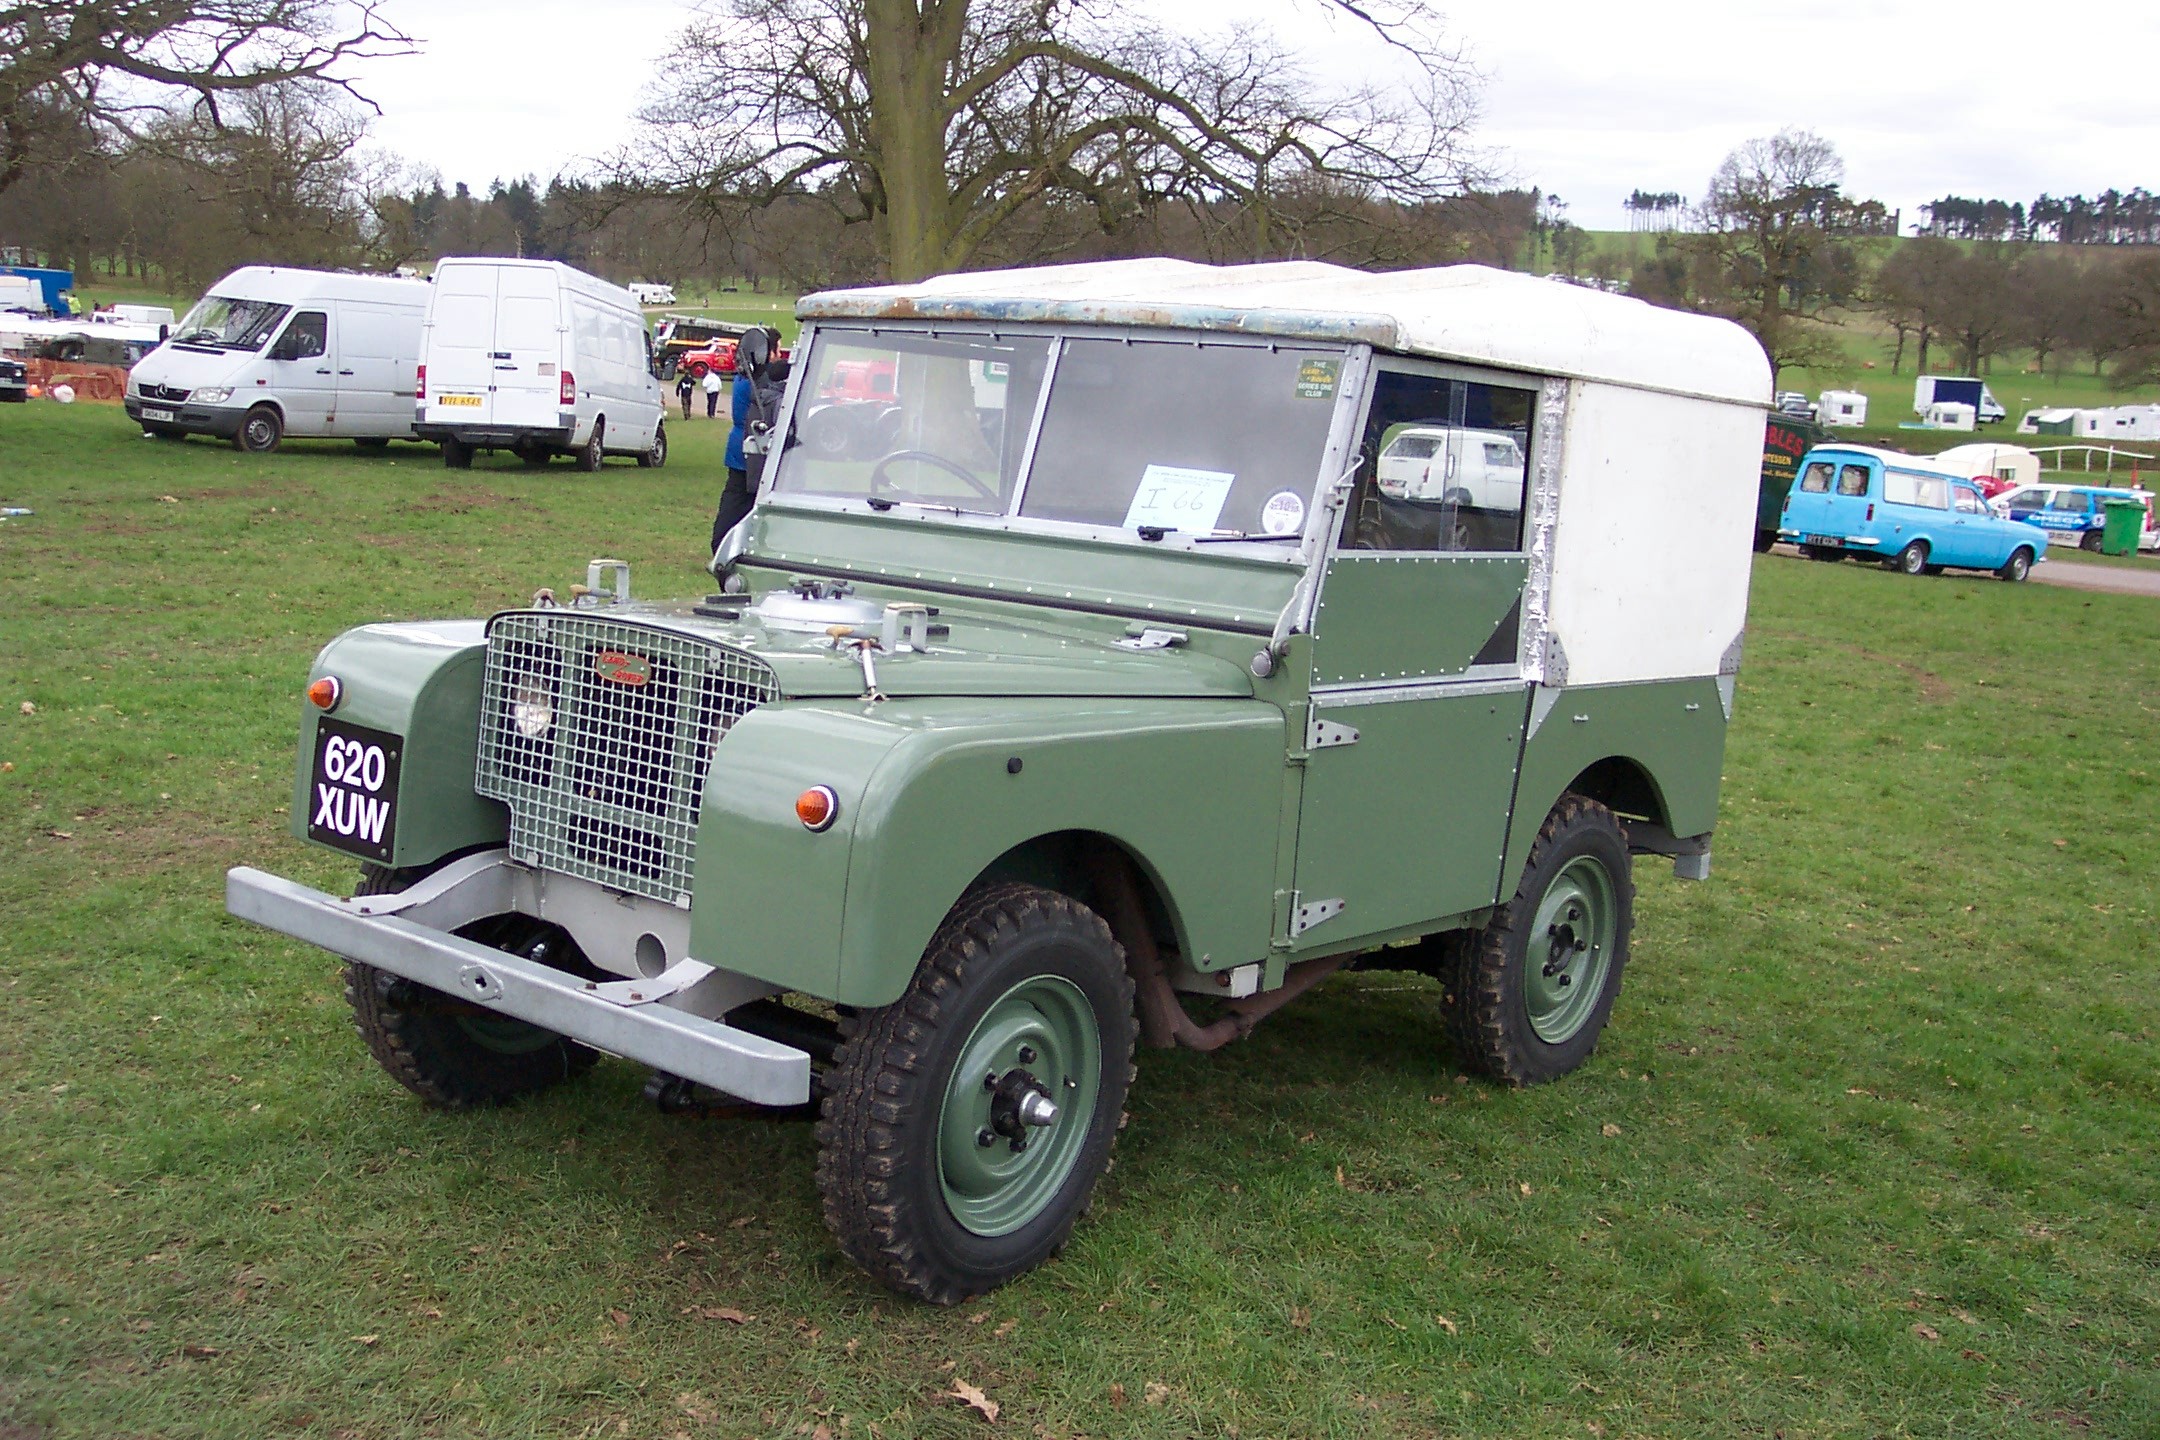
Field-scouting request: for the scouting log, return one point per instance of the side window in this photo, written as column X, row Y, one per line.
column 2027, row 501
column 2069, row 502
column 307, row 337
column 1817, row 479
column 1853, row 480
column 1904, row 487
column 1445, row 466
column 1968, row 502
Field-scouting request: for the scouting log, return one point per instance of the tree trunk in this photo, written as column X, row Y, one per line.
column 910, row 51
column 1897, row 356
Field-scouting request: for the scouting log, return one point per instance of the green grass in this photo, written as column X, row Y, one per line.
column 1883, row 1087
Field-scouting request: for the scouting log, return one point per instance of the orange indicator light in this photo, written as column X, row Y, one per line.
column 817, row 807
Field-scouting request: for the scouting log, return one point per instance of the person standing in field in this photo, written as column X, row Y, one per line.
column 685, row 387
column 753, row 365
column 712, row 394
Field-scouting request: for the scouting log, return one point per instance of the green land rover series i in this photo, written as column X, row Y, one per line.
column 1114, row 652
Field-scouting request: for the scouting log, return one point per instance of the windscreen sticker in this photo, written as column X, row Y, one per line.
column 1316, row 379
column 1283, row 514
column 1172, row 497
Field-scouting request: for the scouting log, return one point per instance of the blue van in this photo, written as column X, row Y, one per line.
column 1904, row 512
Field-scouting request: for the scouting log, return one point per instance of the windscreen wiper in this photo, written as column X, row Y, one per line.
column 881, row 504
column 1219, row 537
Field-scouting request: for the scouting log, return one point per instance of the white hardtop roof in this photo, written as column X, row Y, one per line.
column 288, row 285
column 1457, row 312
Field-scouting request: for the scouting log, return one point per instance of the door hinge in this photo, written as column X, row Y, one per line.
column 1326, row 734
column 1305, row 914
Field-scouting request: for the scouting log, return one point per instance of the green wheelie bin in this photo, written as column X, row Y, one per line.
column 2119, row 533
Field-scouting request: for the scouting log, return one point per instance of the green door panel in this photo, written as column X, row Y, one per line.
column 420, row 681
column 1673, row 730
column 1386, row 616
column 929, row 799
column 1407, row 824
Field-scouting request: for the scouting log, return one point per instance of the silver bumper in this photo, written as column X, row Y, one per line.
column 748, row 1066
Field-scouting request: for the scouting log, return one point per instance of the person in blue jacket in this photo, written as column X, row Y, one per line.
column 752, row 358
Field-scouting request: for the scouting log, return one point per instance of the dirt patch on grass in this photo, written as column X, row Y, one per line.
column 1933, row 688
column 459, row 500
column 156, row 843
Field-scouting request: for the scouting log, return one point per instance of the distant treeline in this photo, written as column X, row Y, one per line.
column 2113, row 217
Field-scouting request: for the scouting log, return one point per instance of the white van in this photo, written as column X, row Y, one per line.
column 536, row 358
column 1437, row 463
column 647, row 293
column 272, row 351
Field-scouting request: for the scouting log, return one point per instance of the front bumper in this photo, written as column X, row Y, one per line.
column 623, row 1018
column 211, row 420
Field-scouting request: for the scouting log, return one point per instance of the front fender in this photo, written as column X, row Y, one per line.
column 929, row 798
column 420, row 682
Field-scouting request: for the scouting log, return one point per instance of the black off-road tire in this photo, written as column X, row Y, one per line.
column 2017, row 567
column 261, row 431
column 456, row 455
column 415, row 1032
column 878, row 1169
column 590, row 454
column 1487, row 1012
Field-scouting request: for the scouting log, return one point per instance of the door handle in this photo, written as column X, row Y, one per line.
column 344, row 372
column 324, row 371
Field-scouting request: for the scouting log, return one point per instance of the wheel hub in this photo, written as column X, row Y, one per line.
column 1578, row 918
column 1018, row 1103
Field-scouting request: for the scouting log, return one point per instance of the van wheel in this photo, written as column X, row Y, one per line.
column 1537, row 985
column 260, row 431
column 655, row 456
column 451, row 1053
column 373, row 443
column 531, row 453
column 2017, row 567
column 2090, row 540
column 456, row 455
column 966, row 1123
column 590, row 453
column 1912, row 560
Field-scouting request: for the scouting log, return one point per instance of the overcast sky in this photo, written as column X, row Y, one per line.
column 1588, row 99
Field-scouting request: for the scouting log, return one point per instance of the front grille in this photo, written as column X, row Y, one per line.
column 171, row 394
column 610, row 790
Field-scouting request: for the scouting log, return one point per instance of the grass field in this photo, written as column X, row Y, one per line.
column 1868, row 1150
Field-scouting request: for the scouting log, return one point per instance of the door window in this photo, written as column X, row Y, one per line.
column 1853, row 480
column 2070, row 502
column 1817, row 479
column 1445, row 465
column 1905, row 487
column 307, row 337
column 1968, row 502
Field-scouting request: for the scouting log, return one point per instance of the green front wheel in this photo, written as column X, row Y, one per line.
column 965, row 1125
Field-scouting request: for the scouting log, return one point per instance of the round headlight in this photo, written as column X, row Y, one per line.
column 532, row 710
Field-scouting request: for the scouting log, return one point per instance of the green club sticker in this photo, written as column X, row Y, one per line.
column 1316, row 379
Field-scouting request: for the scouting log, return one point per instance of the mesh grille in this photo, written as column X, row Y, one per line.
column 610, row 790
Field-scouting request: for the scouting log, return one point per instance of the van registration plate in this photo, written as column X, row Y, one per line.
column 1827, row 542
column 469, row 400
column 150, row 414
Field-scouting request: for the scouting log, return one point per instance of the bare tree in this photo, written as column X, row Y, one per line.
column 937, row 122
column 1778, row 251
column 114, row 66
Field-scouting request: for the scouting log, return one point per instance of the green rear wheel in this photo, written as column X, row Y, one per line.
column 1532, row 991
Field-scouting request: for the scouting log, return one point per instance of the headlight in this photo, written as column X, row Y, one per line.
column 214, row 394
column 532, row 710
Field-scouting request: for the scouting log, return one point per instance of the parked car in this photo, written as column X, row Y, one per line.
column 14, row 380
column 988, row 742
column 2074, row 513
column 1852, row 500
column 272, row 351
column 1454, row 465
column 536, row 358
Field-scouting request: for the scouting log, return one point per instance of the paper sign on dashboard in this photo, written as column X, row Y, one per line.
column 1175, row 498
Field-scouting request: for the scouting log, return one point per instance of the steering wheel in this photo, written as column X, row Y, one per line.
column 878, row 481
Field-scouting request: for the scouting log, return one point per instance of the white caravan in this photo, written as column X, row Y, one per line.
column 648, row 293
column 1841, row 407
column 272, row 351
column 536, row 358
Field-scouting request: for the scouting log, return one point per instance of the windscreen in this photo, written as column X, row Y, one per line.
column 230, row 324
column 1196, row 439
column 915, row 418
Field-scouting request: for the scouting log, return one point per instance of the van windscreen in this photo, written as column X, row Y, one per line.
column 224, row 323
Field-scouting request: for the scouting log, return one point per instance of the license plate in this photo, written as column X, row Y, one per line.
column 1828, row 541
column 472, row 401
column 149, row 414
column 353, row 795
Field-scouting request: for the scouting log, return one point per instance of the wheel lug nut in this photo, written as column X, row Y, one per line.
column 1027, row 1054
column 986, row 1137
